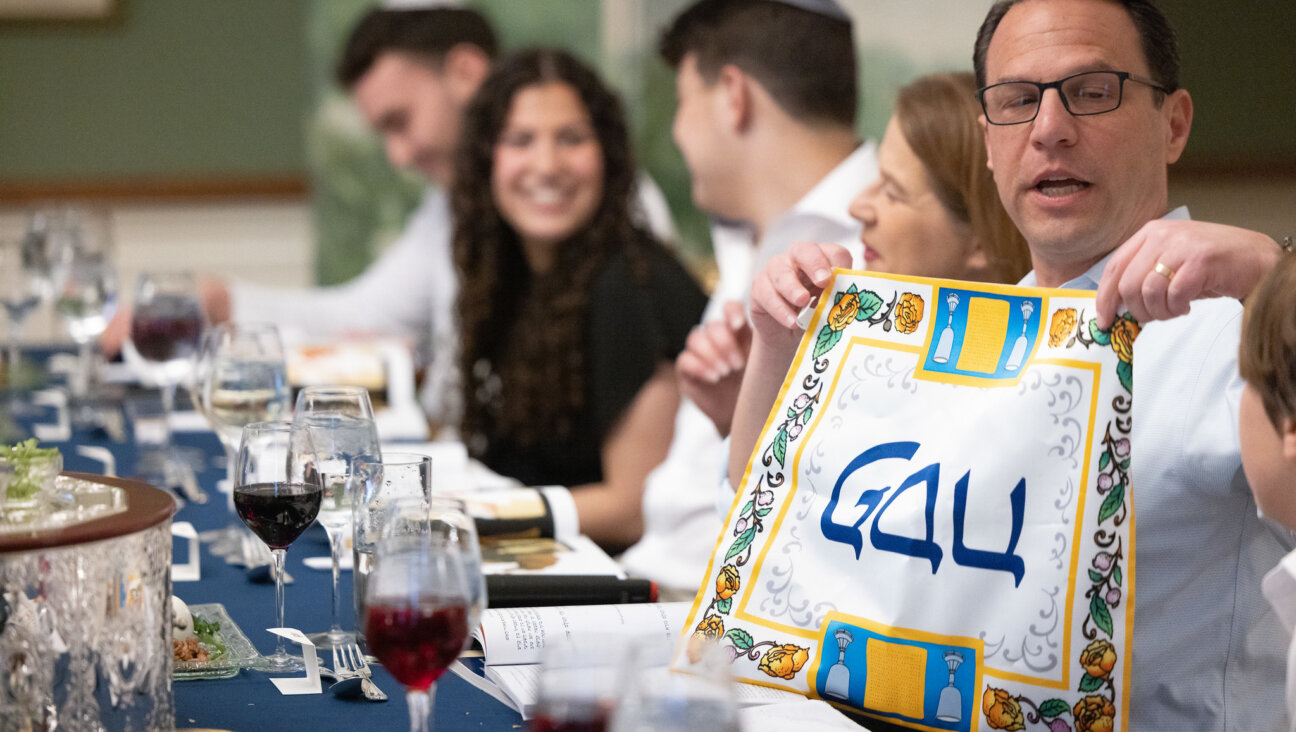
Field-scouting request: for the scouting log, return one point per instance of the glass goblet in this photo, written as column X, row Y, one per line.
column 340, row 441
column 349, row 400
column 378, row 482
column 165, row 333
column 277, row 495
column 85, row 287
column 417, row 603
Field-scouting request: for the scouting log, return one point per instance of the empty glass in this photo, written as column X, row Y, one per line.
column 85, row 289
column 379, row 482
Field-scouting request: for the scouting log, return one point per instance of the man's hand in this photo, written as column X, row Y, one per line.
column 1198, row 260
column 788, row 283
column 710, row 369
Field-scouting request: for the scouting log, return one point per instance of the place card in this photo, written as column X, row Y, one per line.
column 191, row 570
column 309, row 684
column 61, row 429
column 101, row 455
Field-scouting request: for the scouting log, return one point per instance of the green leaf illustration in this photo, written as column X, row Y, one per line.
column 746, row 507
column 826, row 340
column 763, row 512
column 805, row 417
column 1099, row 336
column 1090, row 683
column 741, row 639
column 791, row 413
column 1124, row 464
column 852, row 289
column 870, row 303
column 1054, row 708
column 1100, row 614
column 1112, row 503
column 1095, row 576
column 724, row 605
column 780, row 446
column 1104, row 461
column 1125, row 372
column 745, row 538
column 1116, row 575
column 837, row 298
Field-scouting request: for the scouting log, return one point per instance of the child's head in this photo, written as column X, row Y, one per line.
column 1267, row 416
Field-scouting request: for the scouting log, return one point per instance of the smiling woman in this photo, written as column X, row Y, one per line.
column 571, row 313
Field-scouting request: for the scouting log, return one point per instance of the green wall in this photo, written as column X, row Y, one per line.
column 166, row 89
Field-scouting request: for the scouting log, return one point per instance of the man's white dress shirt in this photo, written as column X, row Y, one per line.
column 1209, row 654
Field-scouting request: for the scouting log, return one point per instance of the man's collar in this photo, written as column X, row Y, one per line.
column 852, row 174
column 1089, row 280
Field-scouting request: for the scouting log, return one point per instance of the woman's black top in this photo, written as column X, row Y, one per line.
column 633, row 325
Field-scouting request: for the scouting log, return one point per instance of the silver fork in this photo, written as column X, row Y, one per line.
column 351, row 661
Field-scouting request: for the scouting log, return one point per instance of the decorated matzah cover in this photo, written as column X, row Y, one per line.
column 936, row 527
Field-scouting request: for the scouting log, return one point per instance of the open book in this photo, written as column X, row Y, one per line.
column 513, row 641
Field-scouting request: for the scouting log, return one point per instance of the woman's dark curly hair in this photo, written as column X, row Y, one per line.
column 522, row 355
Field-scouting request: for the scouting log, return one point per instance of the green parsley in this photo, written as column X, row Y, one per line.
column 25, row 459
column 207, row 630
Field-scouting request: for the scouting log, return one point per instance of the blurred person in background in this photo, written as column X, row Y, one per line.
column 765, row 120
column 411, row 72
column 571, row 312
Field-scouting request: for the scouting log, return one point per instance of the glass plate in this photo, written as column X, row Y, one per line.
column 240, row 653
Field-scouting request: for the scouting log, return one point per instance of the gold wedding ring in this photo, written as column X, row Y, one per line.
column 1164, row 271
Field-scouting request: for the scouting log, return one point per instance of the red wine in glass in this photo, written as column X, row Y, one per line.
column 416, row 643
column 277, row 512
column 167, row 329
column 594, row 720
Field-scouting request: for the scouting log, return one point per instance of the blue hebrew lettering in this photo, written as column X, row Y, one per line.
column 921, row 548
column 851, row 534
column 1007, row 561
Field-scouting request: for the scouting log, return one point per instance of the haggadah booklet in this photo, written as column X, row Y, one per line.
column 936, row 527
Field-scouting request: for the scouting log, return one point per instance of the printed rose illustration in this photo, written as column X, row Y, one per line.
column 784, row 661
column 1001, row 710
column 1094, row 714
column 1098, row 658
column 1123, row 333
column 704, row 635
column 909, row 312
column 1063, row 322
column 843, row 313
column 727, row 583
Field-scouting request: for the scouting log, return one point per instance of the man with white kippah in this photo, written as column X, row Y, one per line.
column 766, row 124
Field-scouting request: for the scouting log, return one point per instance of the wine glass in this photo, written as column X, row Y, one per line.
column 277, row 495
column 24, row 282
column 581, row 680
column 241, row 378
column 349, row 400
column 85, row 287
column 379, row 481
column 656, row 699
column 165, row 332
column 417, row 602
column 340, row 440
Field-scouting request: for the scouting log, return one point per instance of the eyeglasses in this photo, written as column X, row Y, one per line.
column 1093, row 92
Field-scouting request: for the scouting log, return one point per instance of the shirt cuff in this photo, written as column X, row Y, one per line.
column 563, row 510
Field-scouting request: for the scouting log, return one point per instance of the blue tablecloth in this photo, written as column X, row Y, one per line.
column 249, row 701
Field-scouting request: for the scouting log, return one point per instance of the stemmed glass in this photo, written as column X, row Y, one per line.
column 417, row 602
column 85, row 285
column 342, row 436
column 24, row 282
column 277, row 494
column 379, row 482
column 241, row 378
column 165, row 331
